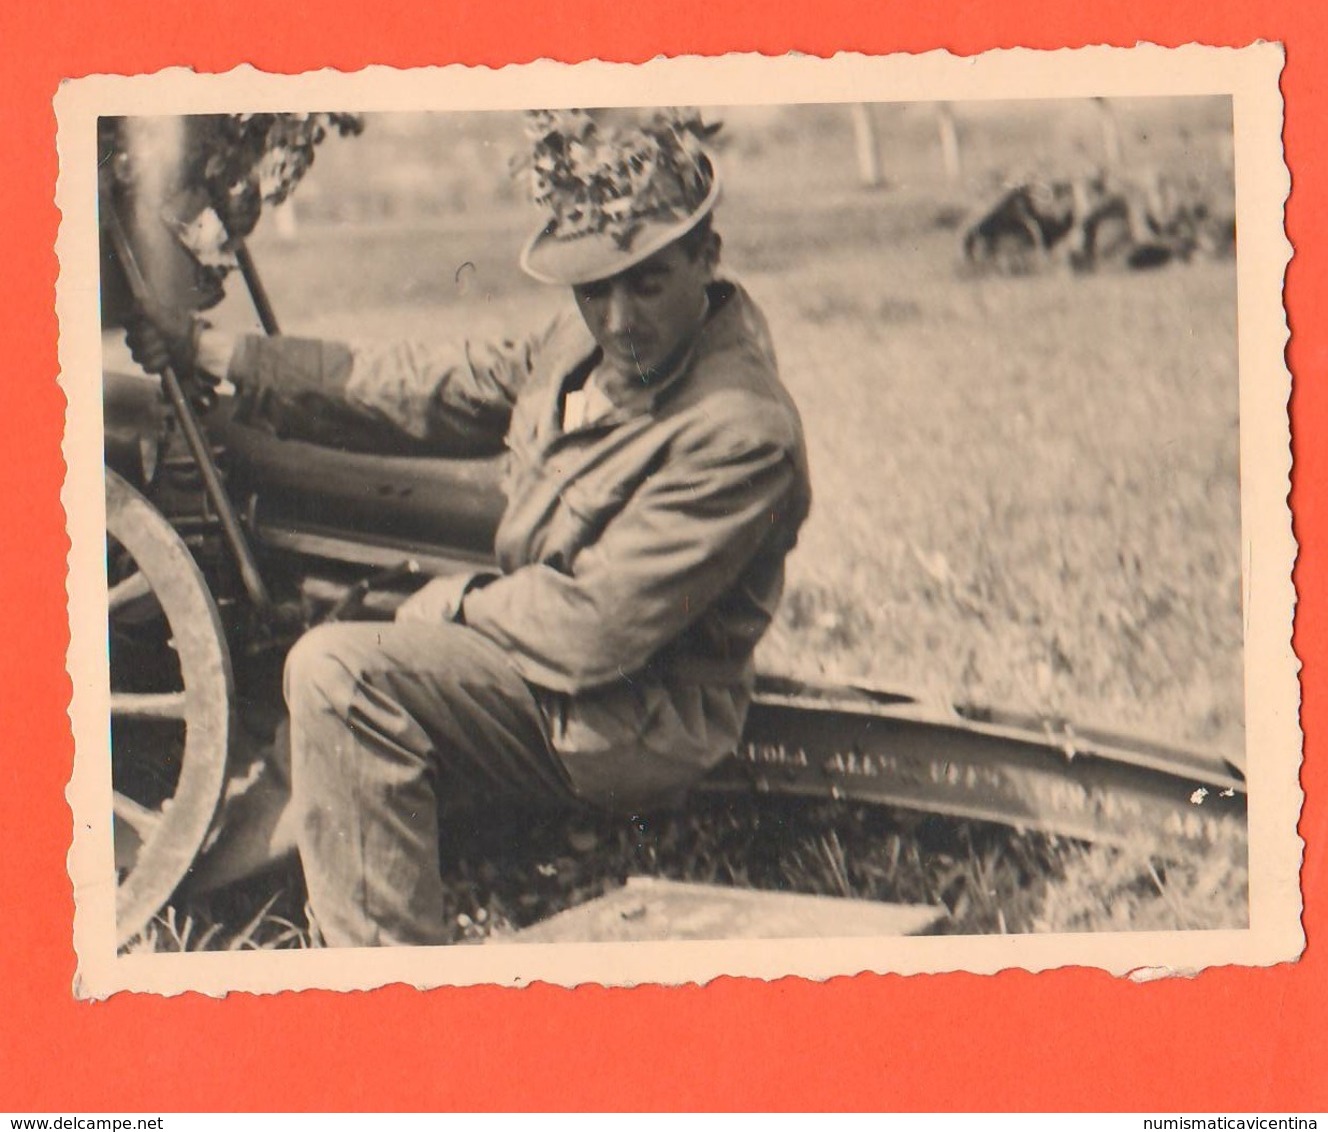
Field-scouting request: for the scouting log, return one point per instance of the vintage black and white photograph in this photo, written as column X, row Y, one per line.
column 640, row 533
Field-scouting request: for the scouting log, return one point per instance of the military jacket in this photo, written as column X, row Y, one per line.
column 641, row 556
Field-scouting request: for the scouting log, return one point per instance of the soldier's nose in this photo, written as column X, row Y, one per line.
column 617, row 313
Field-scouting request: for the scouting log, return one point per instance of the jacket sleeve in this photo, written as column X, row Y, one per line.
column 678, row 544
column 450, row 400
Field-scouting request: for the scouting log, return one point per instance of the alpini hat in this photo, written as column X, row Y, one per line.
column 618, row 185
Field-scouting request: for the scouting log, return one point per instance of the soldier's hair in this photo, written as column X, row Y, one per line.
column 694, row 241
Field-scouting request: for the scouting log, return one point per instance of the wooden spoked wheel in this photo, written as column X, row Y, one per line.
column 171, row 692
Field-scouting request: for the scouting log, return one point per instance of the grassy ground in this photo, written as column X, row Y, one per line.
column 1027, row 494
column 503, row 872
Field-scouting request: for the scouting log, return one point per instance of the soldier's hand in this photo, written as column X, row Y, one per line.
column 438, row 601
column 161, row 336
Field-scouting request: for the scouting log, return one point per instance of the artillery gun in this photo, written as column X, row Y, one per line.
column 225, row 542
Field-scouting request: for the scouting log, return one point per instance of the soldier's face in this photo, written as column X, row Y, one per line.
column 642, row 316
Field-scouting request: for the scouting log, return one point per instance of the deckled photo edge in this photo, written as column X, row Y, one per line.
column 1249, row 75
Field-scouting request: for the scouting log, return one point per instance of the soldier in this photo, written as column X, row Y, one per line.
column 656, row 480
column 1022, row 226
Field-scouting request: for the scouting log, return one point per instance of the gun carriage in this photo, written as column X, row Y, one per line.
column 225, row 542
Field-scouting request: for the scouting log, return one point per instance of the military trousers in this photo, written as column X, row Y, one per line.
column 392, row 726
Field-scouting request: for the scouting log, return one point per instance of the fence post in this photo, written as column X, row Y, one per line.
column 945, row 119
column 868, row 146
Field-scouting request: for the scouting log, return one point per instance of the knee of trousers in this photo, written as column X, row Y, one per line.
column 341, row 707
column 321, row 672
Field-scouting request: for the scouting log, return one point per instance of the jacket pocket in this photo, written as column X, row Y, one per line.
column 585, row 507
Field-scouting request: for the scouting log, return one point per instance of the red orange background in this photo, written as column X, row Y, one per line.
column 1230, row 1039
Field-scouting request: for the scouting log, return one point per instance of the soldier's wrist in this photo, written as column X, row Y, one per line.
column 187, row 344
column 476, row 581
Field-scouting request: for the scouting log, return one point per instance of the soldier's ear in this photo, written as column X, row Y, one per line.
column 710, row 252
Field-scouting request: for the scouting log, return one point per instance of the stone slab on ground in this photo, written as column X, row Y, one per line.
column 653, row 909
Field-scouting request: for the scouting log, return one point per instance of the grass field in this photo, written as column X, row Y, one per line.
column 1027, row 488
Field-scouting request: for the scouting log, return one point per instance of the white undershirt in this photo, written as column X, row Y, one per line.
column 585, row 406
